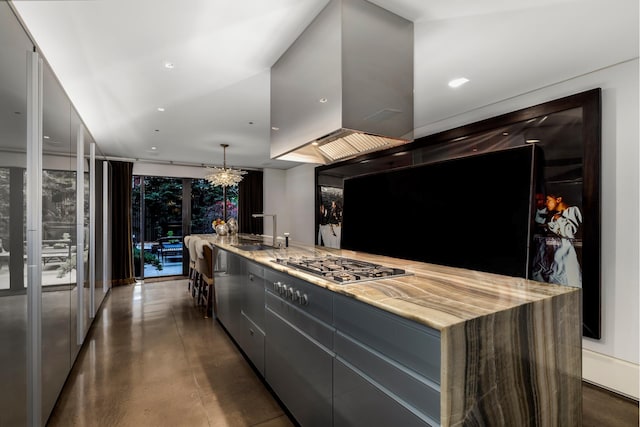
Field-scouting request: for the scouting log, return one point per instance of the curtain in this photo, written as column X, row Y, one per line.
column 250, row 202
column 122, row 244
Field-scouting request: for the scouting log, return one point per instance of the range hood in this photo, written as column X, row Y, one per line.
column 345, row 86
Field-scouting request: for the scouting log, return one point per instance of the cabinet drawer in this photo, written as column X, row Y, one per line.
column 252, row 342
column 318, row 301
column 405, row 384
column 299, row 371
column 319, row 331
column 228, row 290
column 357, row 402
column 408, row 343
column 255, row 269
column 253, row 303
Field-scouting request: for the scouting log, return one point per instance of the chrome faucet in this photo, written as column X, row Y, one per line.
column 263, row 215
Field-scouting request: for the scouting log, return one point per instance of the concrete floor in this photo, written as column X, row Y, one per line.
column 152, row 359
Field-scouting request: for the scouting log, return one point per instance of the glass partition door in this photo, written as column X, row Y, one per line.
column 15, row 49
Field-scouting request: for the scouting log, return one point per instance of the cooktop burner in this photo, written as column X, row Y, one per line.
column 342, row 270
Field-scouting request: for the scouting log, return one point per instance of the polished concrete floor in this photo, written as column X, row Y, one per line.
column 151, row 359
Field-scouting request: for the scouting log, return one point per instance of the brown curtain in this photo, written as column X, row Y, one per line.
column 122, row 244
column 250, row 202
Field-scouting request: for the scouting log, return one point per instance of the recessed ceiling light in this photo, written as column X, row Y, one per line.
column 505, row 133
column 323, row 100
column 401, row 153
column 532, row 141
column 169, row 65
column 458, row 82
column 154, row 148
column 275, row 128
column 314, row 143
column 46, row 136
column 160, row 109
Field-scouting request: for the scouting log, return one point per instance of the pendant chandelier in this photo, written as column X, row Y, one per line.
column 224, row 177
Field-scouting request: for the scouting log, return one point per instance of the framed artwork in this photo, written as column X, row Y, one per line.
column 330, row 217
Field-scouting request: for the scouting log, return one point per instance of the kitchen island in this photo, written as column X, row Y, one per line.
column 437, row 346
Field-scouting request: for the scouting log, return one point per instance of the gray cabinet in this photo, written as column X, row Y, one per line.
column 252, row 336
column 386, row 369
column 298, row 349
column 358, row 401
column 239, row 286
column 229, row 274
column 332, row 360
column 253, row 293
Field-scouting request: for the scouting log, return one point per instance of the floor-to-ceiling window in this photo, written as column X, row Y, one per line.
column 157, row 226
column 160, row 220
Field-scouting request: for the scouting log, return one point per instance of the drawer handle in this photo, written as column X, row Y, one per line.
column 277, row 286
column 304, row 299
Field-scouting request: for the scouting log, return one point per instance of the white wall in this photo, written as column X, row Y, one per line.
column 290, row 194
column 275, row 200
column 168, row 170
column 301, row 202
column 612, row 361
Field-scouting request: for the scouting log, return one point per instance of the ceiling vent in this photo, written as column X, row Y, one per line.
column 345, row 86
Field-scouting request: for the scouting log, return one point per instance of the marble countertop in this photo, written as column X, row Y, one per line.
column 434, row 295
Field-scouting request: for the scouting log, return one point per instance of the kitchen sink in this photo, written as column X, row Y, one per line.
column 253, row 246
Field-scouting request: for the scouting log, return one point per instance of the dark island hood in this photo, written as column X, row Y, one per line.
column 345, row 86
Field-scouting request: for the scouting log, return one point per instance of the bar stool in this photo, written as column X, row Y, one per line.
column 207, row 283
column 193, row 258
column 201, row 270
column 192, row 264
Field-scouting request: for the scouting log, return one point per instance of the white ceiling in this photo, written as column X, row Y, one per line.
column 109, row 56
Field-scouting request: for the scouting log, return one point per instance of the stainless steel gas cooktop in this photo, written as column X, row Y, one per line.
column 342, row 270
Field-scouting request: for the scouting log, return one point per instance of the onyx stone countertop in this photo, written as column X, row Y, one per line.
column 510, row 348
column 434, row 295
